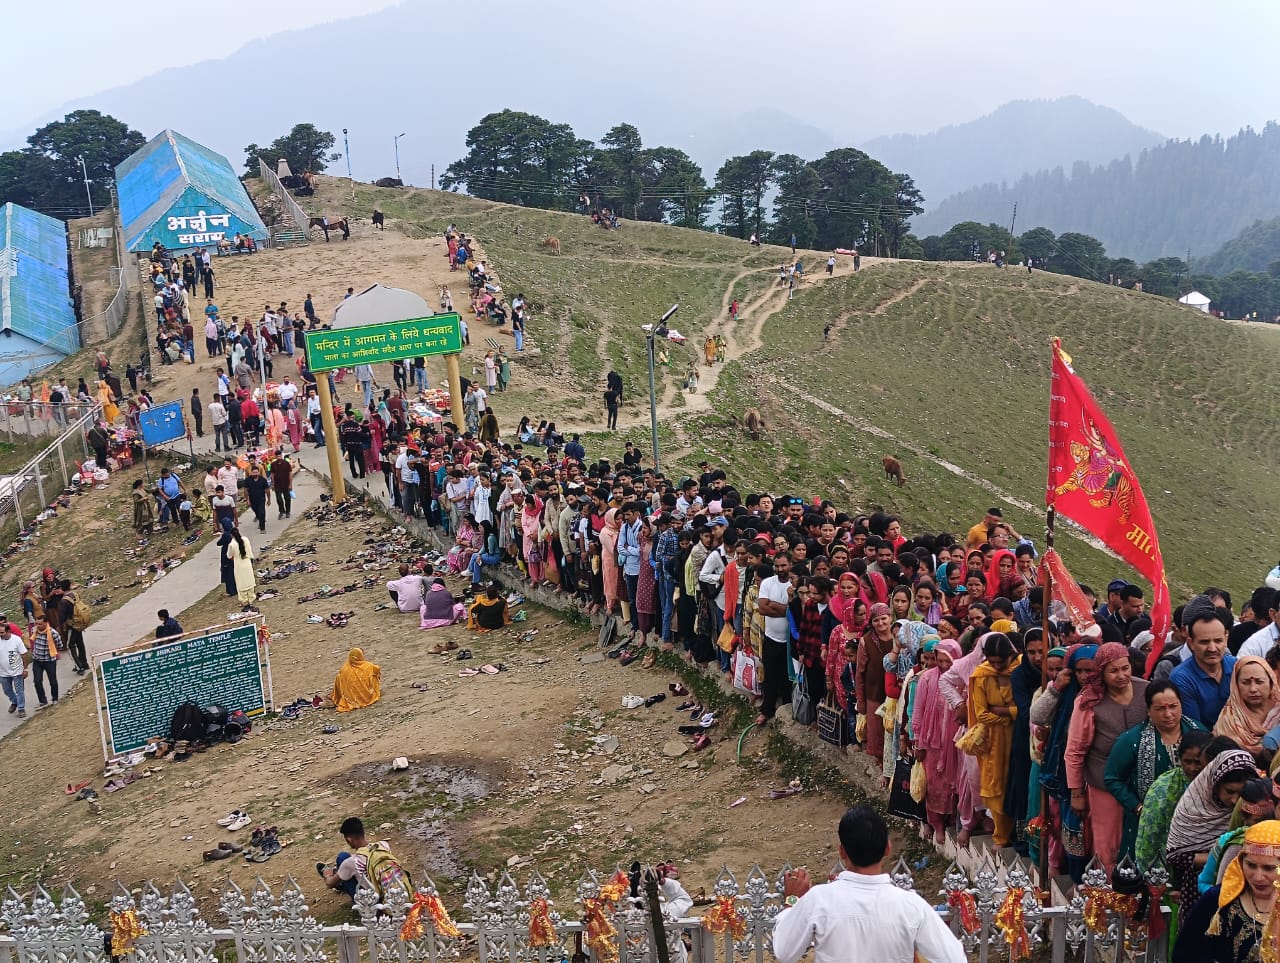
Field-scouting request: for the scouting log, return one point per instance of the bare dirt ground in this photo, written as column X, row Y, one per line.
column 513, row 765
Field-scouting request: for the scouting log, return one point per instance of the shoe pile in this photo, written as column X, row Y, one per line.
column 263, row 844
column 235, row 820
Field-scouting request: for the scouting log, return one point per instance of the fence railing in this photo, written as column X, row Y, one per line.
column 29, row 420
column 37, row 484
column 113, row 316
column 296, row 214
column 493, row 923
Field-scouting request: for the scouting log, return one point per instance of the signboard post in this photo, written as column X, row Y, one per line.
column 386, row 341
column 140, row 688
column 161, row 424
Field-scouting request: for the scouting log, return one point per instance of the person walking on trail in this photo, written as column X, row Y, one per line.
column 860, row 915
column 614, row 381
column 282, row 484
column 793, row 243
column 255, row 492
column 14, row 657
column 240, row 552
column 831, row 264
column 611, row 409
column 733, row 310
column 364, row 375
column 197, row 412
column 46, row 645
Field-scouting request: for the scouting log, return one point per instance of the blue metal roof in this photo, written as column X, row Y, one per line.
column 169, row 181
column 35, row 297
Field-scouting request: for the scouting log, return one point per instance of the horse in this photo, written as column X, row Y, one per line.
column 893, row 470
column 379, row 220
column 325, row 223
column 552, row 244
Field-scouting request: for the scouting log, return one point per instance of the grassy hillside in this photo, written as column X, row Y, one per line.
column 952, row 361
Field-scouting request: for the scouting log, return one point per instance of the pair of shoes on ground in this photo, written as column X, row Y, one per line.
column 264, row 844
column 489, row 668
column 224, row 850
column 235, row 820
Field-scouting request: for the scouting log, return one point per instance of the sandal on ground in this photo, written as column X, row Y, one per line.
column 655, row 699
column 231, row 847
column 71, row 790
column 677, row 688
column 464, row 654
column 465, row 673
column 701, row 742
column 650, row 658
column 209, row 855
column 490, row 669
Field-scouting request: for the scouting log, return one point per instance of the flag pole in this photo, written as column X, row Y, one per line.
column 1046, row 602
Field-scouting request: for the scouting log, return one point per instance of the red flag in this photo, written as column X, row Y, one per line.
column 1067, row 591
column 1092, row 483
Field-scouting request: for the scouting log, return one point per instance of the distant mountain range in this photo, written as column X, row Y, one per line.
column 1021, row 137
column 1182, row 194
column 1255, row 248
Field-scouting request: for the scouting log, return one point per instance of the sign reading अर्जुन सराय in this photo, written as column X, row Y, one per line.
column 387, row 341
column 198, row 227
column 142, row 688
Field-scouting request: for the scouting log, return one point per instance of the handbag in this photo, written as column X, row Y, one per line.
column 918, row 781
column 725, row 641
column 746, row 671
column 802, row 710
column 901, row 802
column 833, row 727
column 974, row 741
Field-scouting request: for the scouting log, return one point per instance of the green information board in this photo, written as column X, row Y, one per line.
column 388, row 341
column 143, row 688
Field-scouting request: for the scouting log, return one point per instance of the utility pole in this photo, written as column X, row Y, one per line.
column 1012, row 221
column 346, row 149
column 1188, row 270
column 658, row 330
column 85, row 171
column 433, row 177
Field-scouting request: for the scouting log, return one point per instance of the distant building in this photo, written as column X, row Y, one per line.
column 1196, row 300
column 185, row 196
column 37, row 318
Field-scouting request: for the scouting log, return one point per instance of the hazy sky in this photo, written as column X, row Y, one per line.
column 856, row 69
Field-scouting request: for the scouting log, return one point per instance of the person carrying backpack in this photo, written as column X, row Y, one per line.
column 372, row 862
column 74, row 615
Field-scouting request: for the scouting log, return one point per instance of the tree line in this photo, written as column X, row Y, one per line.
column 843, row 199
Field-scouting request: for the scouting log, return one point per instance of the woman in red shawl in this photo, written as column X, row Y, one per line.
column 850, row 612
column 933, row 731
column 877, row 642
column 1001, row 574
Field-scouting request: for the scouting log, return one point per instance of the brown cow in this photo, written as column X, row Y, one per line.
column 754, row 424
column 893, row 470
column 552, row 244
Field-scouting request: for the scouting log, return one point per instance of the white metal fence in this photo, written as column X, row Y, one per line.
column 113, row 316
column 296, row 214
column 493, row 923
column 41, row 481
column 21, row 421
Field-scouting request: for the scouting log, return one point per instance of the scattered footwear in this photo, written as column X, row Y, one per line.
column 74, row 790
column 701, row 742
column 239, row 823
column 231, row 817
column 331, row 729
column 464, row 654
column 677, row 688
column 632, row 701
column 213, row 854
column 650, row 658
column 491, row 669
column 686, row 706
column 468, row 672
column 653, row 700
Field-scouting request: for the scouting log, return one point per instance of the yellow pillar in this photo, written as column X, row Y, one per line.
column 332, row 444
column 455, row 390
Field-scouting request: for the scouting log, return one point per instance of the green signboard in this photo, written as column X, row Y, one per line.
column 143, row 688
column 388, row 341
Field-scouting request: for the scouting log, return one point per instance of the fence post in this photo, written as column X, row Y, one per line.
column 62, row 461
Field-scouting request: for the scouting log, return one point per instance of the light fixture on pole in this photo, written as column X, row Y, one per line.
column 346, row 149
column 397, row 143
column 658, row 330
column 85, row 171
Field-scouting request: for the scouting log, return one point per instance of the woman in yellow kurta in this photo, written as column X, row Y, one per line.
column 991, row 703
column 359, row 683
column 108, row 401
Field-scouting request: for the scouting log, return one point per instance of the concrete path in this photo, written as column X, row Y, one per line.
column 191, row 581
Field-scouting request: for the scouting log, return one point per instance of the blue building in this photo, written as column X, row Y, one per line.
column 37, row 319
column 185, row 196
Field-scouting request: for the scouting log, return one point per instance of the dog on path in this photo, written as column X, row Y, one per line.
column 893, row 470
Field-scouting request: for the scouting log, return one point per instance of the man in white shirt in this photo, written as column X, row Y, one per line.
column 13, row 668
column 1262, row 641
column 287, row 391
column 860, row 915
column 776, row 593
column 406, row 591
column 480, row 500
column 221, row 428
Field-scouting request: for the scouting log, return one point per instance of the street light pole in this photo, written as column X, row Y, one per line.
column 658, row 330
column 346, row 149
column 85, row 171
column 397, row 143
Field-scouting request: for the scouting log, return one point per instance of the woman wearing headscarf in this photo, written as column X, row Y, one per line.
column 358, row 684
column 954, row 685
column 1257, row 802
column 246, row 581
column 951, row 579
column 647, row 585
column 1202, row 815
column 1237, row 922
column 877, row 642
column 1001, row 574
column 1253, row 708
column 1110, row 704
column 108, row 401
column 226, row 567
column 1144, row 753
column 926, row 606
column 933, row 734
column 1054, row 709
column 531, row 538
column 991, row 705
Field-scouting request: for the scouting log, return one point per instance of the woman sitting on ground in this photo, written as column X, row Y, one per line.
column 439, row 609
column 358, row 684
column 489, row 611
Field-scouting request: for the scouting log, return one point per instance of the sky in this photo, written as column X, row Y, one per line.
column 1179, row 67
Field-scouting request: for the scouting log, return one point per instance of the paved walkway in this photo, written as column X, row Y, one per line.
column 185, row 585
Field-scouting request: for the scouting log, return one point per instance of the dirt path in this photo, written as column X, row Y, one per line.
column 843, row 320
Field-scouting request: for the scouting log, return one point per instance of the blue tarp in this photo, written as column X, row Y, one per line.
column 175, row 191
column 37, row 317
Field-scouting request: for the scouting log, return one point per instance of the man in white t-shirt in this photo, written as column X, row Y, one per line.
column 287, row 391
column 406, row 591
column 776, row 593
column 350, row 867
column 13, row 668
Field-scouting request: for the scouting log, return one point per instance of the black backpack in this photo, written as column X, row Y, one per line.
column 187, row 723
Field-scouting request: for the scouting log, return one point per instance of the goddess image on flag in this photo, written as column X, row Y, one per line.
column 1099, row 472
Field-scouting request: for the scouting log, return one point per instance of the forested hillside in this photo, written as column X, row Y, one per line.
column 1256, row 248
column 1181, row 195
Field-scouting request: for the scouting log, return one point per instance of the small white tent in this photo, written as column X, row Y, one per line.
column 380, row 303
column 1195, row 299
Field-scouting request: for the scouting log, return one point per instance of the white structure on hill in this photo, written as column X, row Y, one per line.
column 1195, row 299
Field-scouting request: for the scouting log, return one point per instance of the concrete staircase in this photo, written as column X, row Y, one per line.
column 288, row 236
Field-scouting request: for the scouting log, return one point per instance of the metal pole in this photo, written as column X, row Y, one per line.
column 653, row 405
column 1044, row 684
column 397, row 142
column 346, row 149
column 88, row 196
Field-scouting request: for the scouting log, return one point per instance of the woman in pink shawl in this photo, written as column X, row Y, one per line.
column 933, row 730
column 609, row 558
column 378, row 438
column 275, row 426
column 852, row 620
column 293, row 425
column 531, row 542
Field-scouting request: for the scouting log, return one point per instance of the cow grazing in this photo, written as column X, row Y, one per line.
column 893, row 470
column 552, row 244
column 754, row 424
